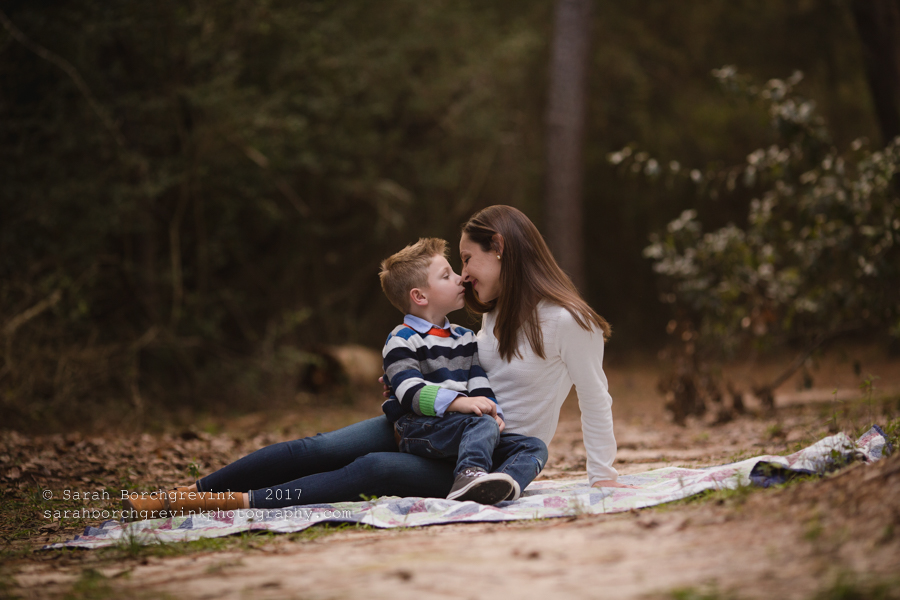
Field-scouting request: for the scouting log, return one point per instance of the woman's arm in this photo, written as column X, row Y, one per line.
column 582, row 353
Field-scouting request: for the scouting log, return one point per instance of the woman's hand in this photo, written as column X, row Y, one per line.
column 386, row 392
column 613, row 484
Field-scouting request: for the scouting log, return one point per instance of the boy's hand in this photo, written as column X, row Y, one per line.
column 500, row 423
column 480, row 405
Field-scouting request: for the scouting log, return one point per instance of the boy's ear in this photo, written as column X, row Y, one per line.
column 418, row 297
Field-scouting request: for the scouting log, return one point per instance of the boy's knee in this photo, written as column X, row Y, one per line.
column 487, row 424
column 537, row 452
column 536, row 448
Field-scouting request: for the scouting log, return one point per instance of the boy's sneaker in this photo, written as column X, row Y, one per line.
column 515, row 493
column 480, row 486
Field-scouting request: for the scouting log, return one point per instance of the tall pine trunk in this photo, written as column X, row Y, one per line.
column 878, row 25
column 566, row 109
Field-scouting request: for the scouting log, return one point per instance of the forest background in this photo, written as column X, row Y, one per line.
column 195, row 196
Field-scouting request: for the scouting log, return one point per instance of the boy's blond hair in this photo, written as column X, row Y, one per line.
column 408, row 269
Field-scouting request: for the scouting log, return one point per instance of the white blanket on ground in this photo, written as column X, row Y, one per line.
column 541, row 500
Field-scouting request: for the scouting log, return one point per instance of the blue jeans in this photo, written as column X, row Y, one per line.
column 362, row 458
column 468, row 437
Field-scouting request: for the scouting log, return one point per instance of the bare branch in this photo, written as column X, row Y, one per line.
column 20, row 319
column 23, row 317
column 767, row 391
column 69, row 70
column 281, row 183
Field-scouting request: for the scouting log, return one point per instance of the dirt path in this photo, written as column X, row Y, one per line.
column 831, row 534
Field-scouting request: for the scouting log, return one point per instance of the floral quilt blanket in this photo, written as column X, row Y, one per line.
column 541, row 500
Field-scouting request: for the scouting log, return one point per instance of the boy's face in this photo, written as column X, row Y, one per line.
column 445, row 292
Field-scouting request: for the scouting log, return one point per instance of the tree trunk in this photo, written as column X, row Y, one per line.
column 566, row 110
column 878, row 25
column 148, row 265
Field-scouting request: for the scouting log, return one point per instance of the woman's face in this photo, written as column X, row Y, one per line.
column 480, row 268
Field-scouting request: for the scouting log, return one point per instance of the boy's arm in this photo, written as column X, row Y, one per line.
column 415, row 394
column 401, row 367
column 444, row 399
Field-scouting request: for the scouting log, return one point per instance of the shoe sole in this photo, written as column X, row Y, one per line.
column 515, row 494
column 485, row 490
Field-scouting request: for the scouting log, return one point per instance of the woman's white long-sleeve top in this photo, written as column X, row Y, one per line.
column 532, row 390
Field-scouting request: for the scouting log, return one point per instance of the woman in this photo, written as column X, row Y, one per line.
column 538, row 338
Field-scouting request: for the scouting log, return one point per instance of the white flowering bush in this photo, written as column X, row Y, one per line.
column 819, row 253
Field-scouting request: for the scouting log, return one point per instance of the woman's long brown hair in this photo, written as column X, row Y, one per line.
column 528, row 274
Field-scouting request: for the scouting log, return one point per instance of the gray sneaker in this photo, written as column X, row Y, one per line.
column 480, row 486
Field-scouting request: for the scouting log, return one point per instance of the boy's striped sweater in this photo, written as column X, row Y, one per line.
column 418, row 364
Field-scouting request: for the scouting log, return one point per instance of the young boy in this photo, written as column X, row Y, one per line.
column 442, row 404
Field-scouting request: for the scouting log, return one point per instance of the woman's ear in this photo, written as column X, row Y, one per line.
column 497, row 243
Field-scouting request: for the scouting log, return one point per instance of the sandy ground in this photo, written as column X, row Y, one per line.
column 787, row 543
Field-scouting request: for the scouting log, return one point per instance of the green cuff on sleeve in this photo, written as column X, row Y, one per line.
column 427, row 396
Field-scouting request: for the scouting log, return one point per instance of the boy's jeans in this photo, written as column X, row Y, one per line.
column 473, row 440
column 468, row 437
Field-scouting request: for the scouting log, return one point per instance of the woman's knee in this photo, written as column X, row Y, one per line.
column 400, row 474
column 376, row 470
column 335, row 449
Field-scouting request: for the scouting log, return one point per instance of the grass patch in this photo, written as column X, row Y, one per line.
column 774, row 431
column 6, row 587
column 132, row 548
column 21, row 514
column 692, row 593
column 730, row 496
column 738, row 496
column 847, row 586
column 856, row 416
column 22, row 520
column 92, row 584
column 739, row 456
column 813, row 529
column 891, row 428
